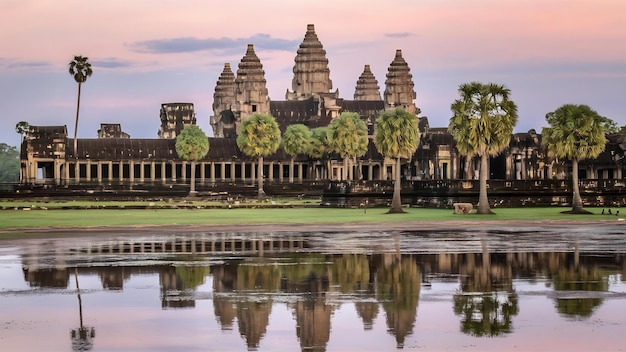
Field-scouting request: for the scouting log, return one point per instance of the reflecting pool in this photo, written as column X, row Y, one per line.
column 530, row 288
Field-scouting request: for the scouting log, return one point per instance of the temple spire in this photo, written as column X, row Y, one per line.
column 251, row 86
column 399, row 86
column 223, row 101
column 367, row 86
column 311, row 75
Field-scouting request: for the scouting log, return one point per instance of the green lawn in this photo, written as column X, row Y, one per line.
column 309, row 215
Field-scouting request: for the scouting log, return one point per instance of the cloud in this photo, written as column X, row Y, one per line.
column 191, row 44
column 17, row 65
column 111, row 62
column 399, row 35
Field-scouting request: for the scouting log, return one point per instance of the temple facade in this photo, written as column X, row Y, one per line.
column 48, row 156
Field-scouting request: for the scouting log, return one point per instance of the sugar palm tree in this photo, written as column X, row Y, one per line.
column 397, row 136
column 576, row 132
column 319, row 144
column 80, row 69
column 296, row 140
column 192, row 144
column 482, row 123
column 347, row 136
column 259, row 136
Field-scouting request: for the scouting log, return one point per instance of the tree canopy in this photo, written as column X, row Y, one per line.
column 9, row 163
column 192, row 143
column 347, row 136
column 319, row 143
column 259, row 135
column 296, row 139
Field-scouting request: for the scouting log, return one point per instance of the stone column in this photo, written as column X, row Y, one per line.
column 184, row 171
column 212, row 171
column 99, row 171
column 163, row 171
column 173, row 171
column 88, row 171
column 232, row 171
column 202, row 172
column 223, row 169
column 131, row 171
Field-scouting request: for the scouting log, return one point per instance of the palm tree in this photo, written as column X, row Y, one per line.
column 319, row 144
column 482, row 124
column 259, row 136
column 397, row 136
column 576, row 132
column 296, row 140
column 22, row 128
column 347, row 136
column 80, row 69
column 192, row 144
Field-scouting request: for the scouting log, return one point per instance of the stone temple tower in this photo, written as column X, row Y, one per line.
column 311, row 75
column 250, row 87
column 399, row 85
column 367, row 86
column 223, row 119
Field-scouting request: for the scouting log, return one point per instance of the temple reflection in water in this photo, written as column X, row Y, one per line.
column 251, row 275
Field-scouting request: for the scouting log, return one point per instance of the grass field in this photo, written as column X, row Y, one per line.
column 117, row 215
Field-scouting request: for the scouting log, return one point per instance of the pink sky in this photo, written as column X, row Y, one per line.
column 147, row 52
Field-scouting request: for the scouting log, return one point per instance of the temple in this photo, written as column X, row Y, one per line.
column 48, row 156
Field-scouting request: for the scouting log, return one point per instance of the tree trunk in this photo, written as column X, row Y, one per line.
column 76, row 124
column 291, row 169
column 483, row 201
column 192, row 187
column 577, row 202
column 261, row 194
column 396, row 202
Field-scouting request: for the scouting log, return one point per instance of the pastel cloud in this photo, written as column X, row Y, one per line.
column 192, row 44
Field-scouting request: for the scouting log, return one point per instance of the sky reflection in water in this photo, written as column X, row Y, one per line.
column 374, row 291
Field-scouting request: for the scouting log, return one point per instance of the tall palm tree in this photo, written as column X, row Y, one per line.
column 397, row 136
column 482, row 124
column 192, row 144
column 296, row 140
column 576, row 132
column 80, row 69
column 259, row 136
column 347, row 136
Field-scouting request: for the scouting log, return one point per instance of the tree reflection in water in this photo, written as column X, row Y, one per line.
column 568, row 275
column 487, row 301
column 82, row 338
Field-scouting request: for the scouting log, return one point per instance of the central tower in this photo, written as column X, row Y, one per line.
column 311, row 75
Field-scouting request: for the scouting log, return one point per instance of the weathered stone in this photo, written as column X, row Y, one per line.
column 399, row 85
column 367, row 86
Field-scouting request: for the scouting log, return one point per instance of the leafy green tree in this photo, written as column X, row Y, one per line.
column 576, row 133
column 192, row 145
column 319, row 144
column 259, row 136
column 9, row 163
column 347, row 136
column 482, row 123
column 296, row 140
column 22, row 128
column 80, row 69
column 397, row 136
